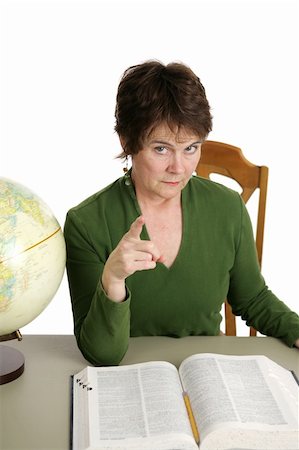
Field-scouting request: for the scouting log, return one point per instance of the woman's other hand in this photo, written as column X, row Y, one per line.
column 130, row 255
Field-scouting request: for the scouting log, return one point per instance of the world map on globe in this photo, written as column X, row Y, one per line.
column 32, row 256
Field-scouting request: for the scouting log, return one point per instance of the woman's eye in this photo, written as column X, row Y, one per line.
column 161, row 150
column 191, row 149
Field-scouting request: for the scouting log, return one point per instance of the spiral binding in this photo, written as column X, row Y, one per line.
column 83, row 385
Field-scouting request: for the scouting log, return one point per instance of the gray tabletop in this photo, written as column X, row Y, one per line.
column 35, row 408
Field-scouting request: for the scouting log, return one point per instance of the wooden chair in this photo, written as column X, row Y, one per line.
column 227, row 160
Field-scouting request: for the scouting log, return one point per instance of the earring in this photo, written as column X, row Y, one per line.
column 126, row 172
column 125, row 169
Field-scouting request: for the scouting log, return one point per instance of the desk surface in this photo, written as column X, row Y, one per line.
column 35, row 408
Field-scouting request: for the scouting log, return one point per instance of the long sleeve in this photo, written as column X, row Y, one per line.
column 250, row 297
column 101, row 326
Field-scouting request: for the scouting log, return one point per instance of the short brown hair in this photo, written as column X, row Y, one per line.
column 151, row 93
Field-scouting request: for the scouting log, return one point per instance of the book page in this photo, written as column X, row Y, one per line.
column 138, row 406
column 230, row 394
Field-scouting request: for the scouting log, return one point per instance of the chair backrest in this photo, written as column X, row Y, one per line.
column 227, row 160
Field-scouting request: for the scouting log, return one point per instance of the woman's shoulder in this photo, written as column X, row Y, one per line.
column 213, row 190
column 99, row 199
column 210, row 199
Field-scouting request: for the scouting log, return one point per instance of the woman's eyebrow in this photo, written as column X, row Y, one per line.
column 158, row 141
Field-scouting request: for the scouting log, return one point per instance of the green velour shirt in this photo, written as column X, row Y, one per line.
column 216, row 260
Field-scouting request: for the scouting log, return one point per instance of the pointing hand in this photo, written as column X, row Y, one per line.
column 131, row 254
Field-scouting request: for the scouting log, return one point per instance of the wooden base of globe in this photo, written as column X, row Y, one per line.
column 12, row 363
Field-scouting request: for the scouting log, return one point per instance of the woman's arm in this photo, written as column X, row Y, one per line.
column 100, row 299
column 250, row 297
column 101, row 326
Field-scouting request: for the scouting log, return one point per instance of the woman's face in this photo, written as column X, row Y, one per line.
column 166, row 162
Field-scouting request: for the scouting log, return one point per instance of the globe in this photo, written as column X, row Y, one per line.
column 32, row 256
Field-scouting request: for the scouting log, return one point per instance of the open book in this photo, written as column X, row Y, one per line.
column 233, row 403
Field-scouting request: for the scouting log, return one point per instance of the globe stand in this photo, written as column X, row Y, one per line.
column 12, row 361
column 15, row 335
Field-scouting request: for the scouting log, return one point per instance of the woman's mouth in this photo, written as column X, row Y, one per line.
column 172, row 183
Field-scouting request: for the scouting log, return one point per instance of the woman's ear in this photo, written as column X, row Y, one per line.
column 122, row 143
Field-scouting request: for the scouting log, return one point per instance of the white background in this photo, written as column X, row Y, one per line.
column 61, row 62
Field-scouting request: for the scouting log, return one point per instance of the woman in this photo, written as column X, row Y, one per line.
column 158, row 251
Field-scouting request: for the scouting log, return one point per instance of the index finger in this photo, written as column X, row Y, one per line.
column 136, row 228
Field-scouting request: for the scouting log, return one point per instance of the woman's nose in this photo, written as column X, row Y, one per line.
column 176, row 163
